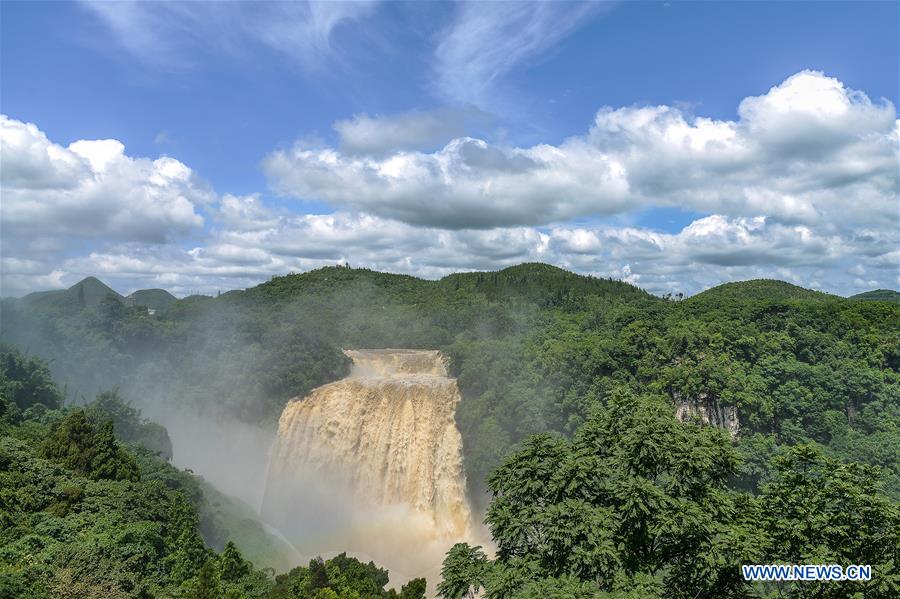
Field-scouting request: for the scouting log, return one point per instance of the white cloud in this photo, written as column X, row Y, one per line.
column 244, row 213
column 416, row 130
column 169, row 34
column 803, row 186
column 708, row 251
column 467, row 184
column 808, row 151
column 92, row 188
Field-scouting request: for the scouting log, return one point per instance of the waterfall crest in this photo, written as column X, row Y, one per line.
column 378, row 457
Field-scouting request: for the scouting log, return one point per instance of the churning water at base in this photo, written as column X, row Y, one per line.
column 372, row 464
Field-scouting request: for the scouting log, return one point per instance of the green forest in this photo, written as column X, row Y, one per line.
column 591, row 486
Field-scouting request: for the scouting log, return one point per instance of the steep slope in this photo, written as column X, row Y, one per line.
column 88, row 292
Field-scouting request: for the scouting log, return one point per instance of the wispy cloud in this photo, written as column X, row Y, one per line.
column 488, row 39
column 171, row 35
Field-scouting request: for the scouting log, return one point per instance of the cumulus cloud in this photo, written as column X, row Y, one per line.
column 92, row 188
column 801, row 186
column 168, row 34
column 467, row 184
column 807, row 151
column 246, row 213
column 708, row 251
column 415, row 130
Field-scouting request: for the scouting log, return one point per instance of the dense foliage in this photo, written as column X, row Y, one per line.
column 638, row 504
column 534, row 348
column 342, row 577
column 82, row 514
column 614, row 496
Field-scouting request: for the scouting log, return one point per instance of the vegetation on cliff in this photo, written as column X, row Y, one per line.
column 638, row 504
column 813, row 379
column 534, row 348
column 84, row 514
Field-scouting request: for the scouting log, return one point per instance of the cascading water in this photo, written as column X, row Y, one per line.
column 373, row 464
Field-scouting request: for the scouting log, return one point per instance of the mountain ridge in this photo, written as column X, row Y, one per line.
column 514, row 278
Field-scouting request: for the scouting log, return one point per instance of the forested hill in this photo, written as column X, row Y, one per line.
column 878, row 295
column 155, row 299
column 534, row 348
column 90, row 508
column 531, row 282
column 762, row 290
column 87, row 292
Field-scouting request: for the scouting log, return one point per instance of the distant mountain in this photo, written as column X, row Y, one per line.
column 762, row 289
column 543, row 284
column 537, row 282
column 88, row 292
column 878, row 295
column 155, row 299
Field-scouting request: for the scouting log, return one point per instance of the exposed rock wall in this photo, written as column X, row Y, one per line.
column 707, row 409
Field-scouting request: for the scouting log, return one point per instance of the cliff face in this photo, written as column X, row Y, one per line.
column 378, row 450
column 708, row 410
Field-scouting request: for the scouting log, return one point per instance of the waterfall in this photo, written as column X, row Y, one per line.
column 372, row 464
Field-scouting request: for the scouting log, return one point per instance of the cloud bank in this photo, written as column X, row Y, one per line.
column 810, row 151
column 802, row 185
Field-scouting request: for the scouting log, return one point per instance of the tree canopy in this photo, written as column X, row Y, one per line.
column 641, row 504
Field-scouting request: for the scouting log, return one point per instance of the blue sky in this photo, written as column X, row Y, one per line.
column 249, row 98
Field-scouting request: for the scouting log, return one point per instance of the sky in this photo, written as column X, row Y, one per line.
column 208, row 146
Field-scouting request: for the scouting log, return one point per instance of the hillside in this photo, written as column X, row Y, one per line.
column 878, row 295
column 531, row 282
column 534, row 349
column 88, row 292
column 541, row 283
column 155, row 299
column 761, row 290
column 88, row 512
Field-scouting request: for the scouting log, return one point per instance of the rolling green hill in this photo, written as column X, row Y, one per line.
column 761, row 290
column 534, row 349
column 155, row 299
column 878, row 295
column 530, row 282
column 88, row 292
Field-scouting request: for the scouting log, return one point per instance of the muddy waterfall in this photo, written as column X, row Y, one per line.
column 372, row 463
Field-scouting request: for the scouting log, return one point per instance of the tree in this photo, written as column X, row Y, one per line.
column 207, row 583
column 463, row 572
column 26, row 381
column 95, row 453
column 110, row 461
column 819, row 510
column 129, row 425
column 71, row 443
column 232, row 565
column 9, row 411
column 414, row 589
column 635, row 494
